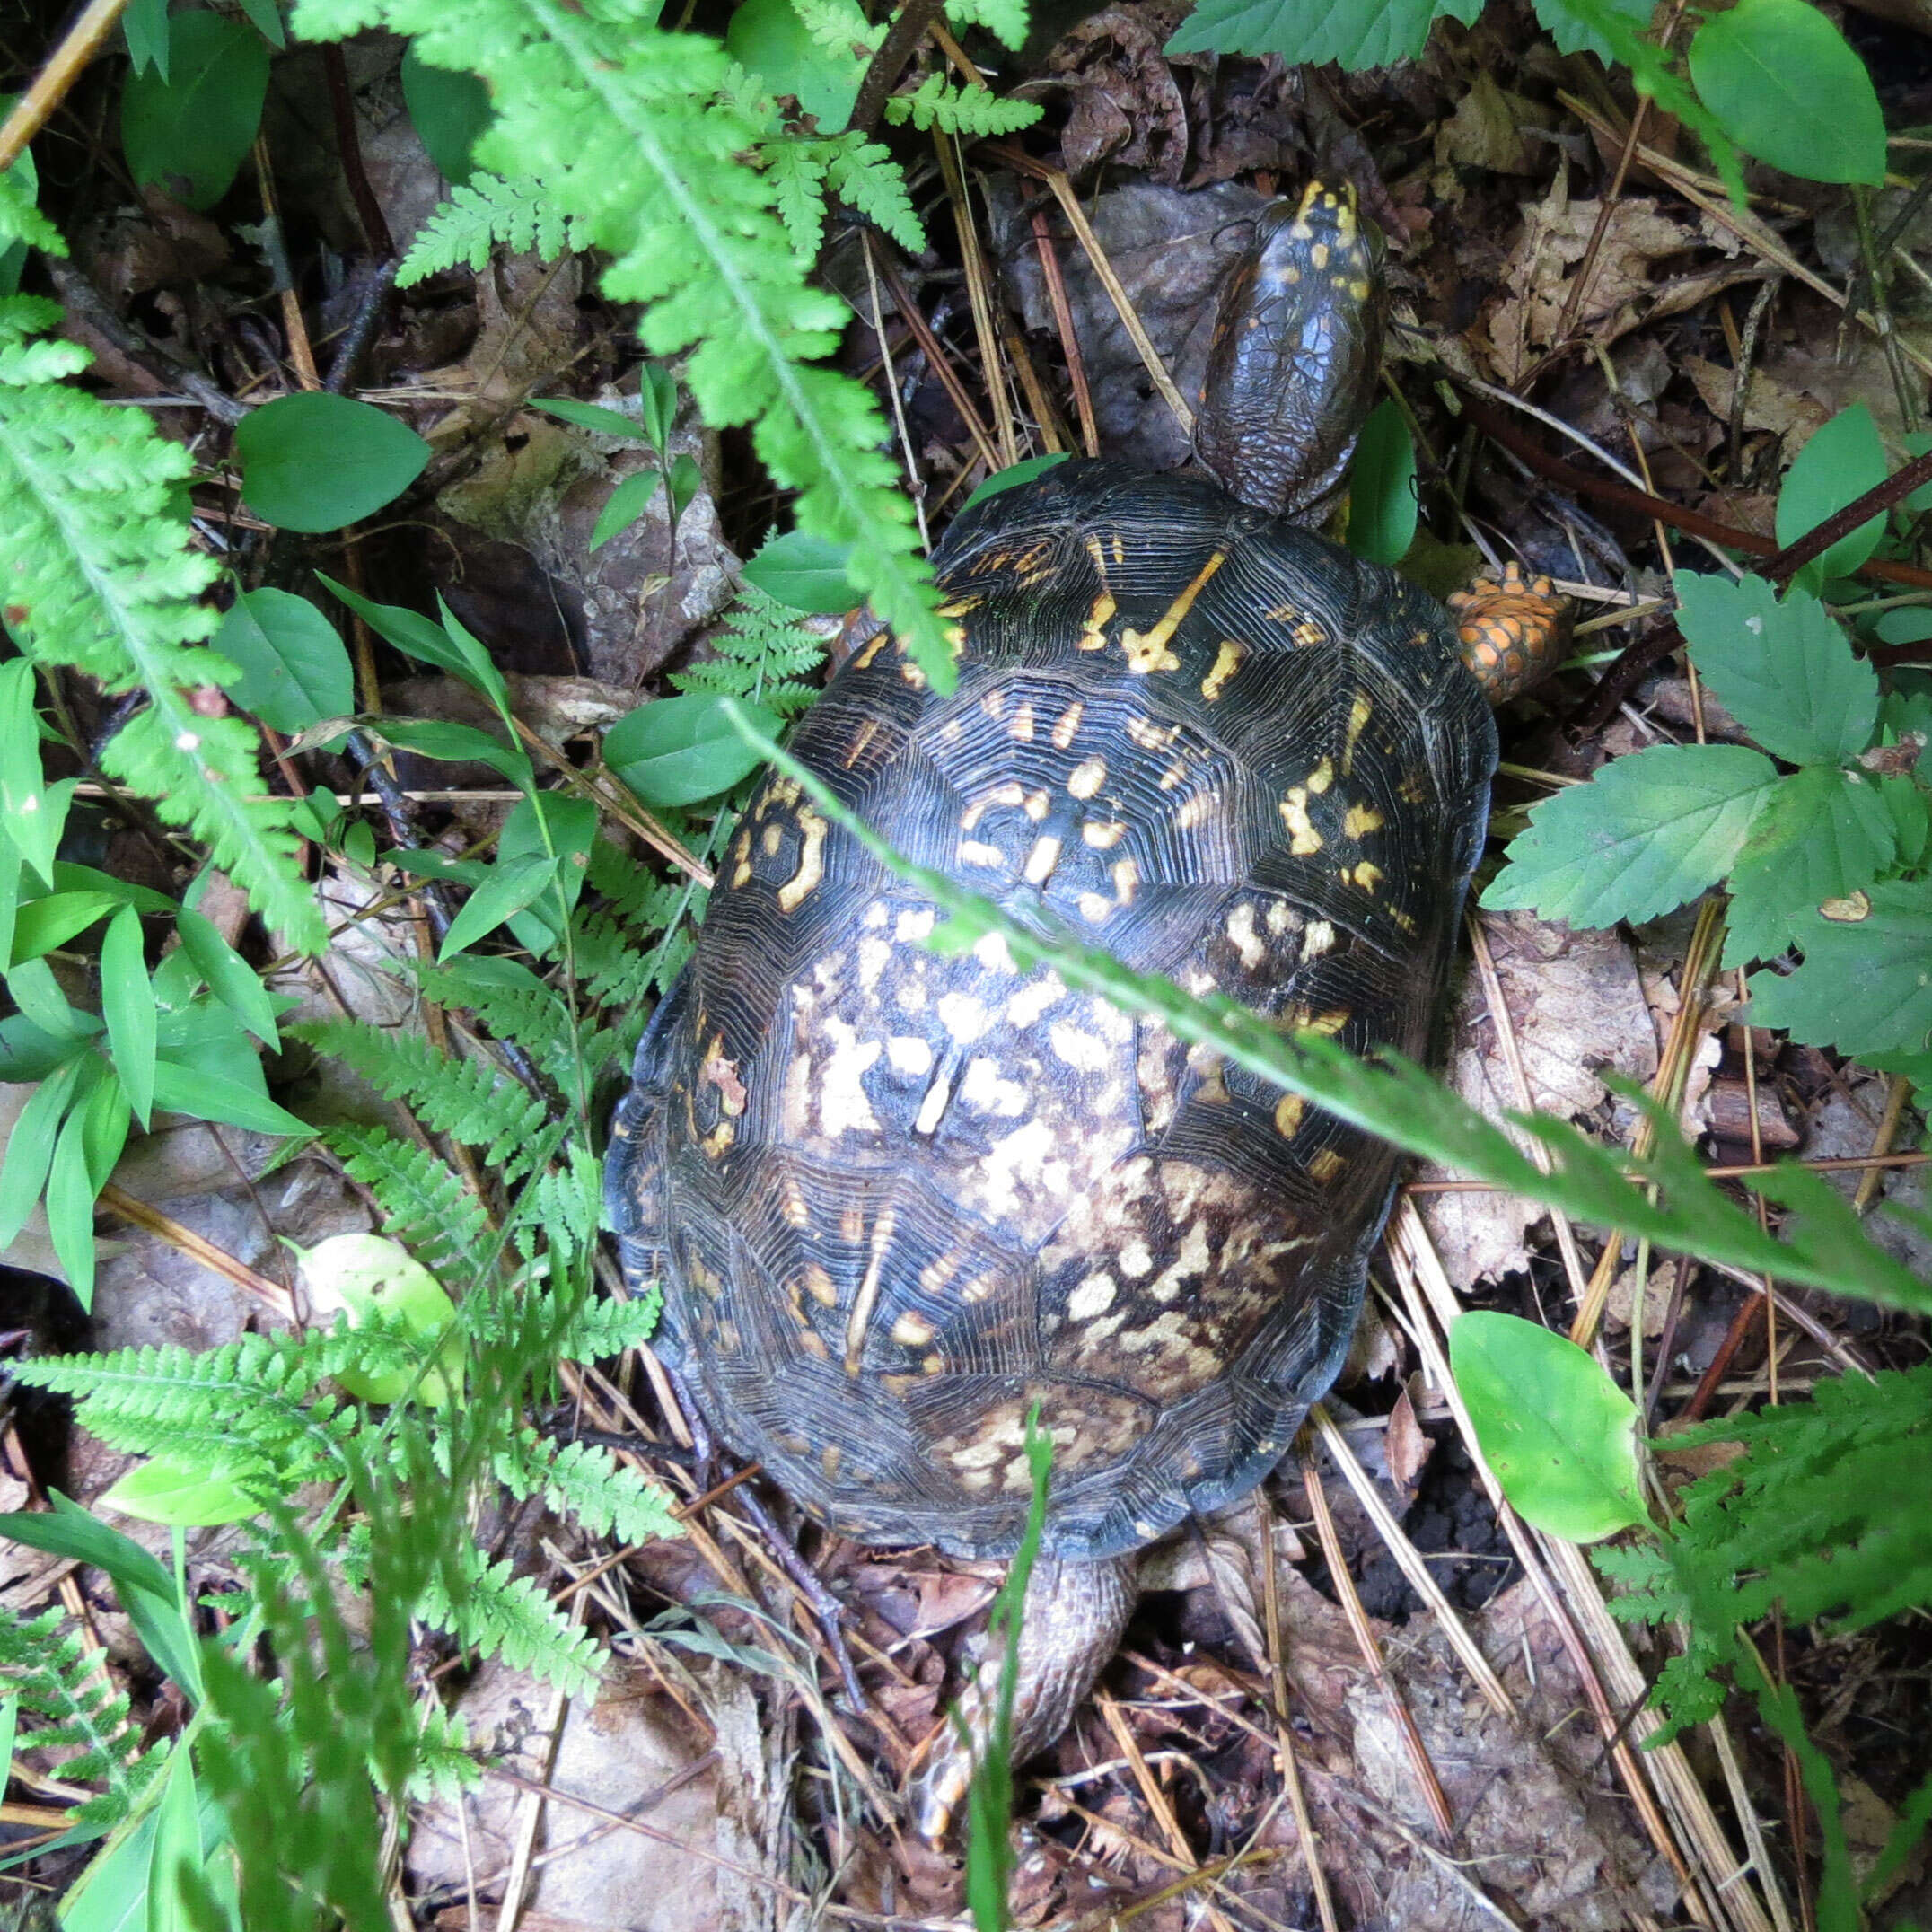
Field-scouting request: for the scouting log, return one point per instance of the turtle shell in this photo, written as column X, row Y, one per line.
column 896, row 1198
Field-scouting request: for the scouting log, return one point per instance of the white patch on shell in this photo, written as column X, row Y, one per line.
column 1243, row 936
column 915, row 924
column 963, row 1016
column 908, row 1054
column 1082, row 1051
column 984, row 1088
column 872, row 954
column 1093, row 1297
column 1025, row 1007
column 843, row 1107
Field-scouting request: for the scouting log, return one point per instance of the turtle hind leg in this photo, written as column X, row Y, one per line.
column 1070, row 1627
column 1513, row 630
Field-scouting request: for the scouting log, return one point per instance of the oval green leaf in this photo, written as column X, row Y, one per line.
column 1559, row 1434
column 316, row 461
column 1785, row 84
column 1382, row 487
column 679, row 750
column 448, row 111
column 295, row 669
column 127, row 1005
column 625, row 505
column 804, row 573
column 591, row 416
column 1841, row 460
column 1011, row 475
column 182, row 1488
column 189, row 133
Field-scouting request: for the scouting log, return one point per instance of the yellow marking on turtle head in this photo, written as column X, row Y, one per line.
column 1087, row 777
column 1303, row 838
column 811, row 863
column 1359, row 821
column 1289, row 1112
column 1149, row 652
column 1227, row 662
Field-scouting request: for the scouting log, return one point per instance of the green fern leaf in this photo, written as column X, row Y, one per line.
column 484, row 213
column 864, row 176
column 601, row 1330
column 797, row 178
column 20, row 220
column 588, row 1483
column 971, row 113
column 95, row 572
column 763, row 653
column 1006, row 20
column 839, row 27
column 500, row 1614
column 424, row 1202
column 625, row 126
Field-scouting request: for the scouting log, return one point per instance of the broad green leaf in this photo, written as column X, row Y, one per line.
column 1365, row 33
column 591, row 416
column 768, row 37
column 625, row 505
column 1559, row 1434
column 30, row 1147
column 1911, row 822
column 38, row 995
column 127, row 1005
column 191, row 133
column 1866, row 983
column 203, row 1095
column 448, row 111
column 454, row 743
column 1648, row 832
column 1785, row 87
column 177, row 1847
column 1575, row 29
column 803, row 573
column 295, row 669
column 12, row 874
column 41, row 925
column 69, row 877
column 144, row 26
column 267, row 19
column 556, row 824
column 412, row 633
column 1841, row 460
column 1382, row 487
column 1007, row 479
column 1823, row 834
column 91, row 1139
column 315, row 462
column 184, row 1488
column 686, row 481
column 145, row 1589
column 33, row 811
column 509, row 888
column 1781, row 666
column 1665, row 1195
column 658, row 404
column 679, row 750
column 473, row 664
column 367, row 1276
column 230, row 977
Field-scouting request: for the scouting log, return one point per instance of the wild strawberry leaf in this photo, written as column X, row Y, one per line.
column 1863, row 986
column 1648, row 832
column 1369, row 34
column 1782, row 667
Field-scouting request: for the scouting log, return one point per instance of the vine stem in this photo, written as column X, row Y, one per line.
column 890, row 62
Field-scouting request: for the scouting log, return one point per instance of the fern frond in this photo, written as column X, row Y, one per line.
column 484, row 213
column 588, row 1484
column 635, row 892
column 513, row 1002
column 797, row 178
column 466, row 1099
column 601, row 1329
column 56, row 1680
column 20, row 220
column 763, row 654
column 1007, row 20
column 972, row 113
column 501, row 1614
column 424, row 1202
column 864, row 176
column 625, row 126
column 254, row 1407
column 839, row 26
column 564, row 1206
column 445, row 1769
column 96, row 573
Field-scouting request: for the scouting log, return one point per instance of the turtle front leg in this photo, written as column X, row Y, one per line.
column 1070, row 1627
column 1512, row 630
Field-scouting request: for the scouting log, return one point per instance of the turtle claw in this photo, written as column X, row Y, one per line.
column 1512, row 630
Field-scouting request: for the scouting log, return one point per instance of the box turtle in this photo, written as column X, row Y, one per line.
column 896, row 1199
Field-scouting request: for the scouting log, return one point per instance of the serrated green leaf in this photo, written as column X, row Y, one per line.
column 1576, row 31
column 679, row 750
column 625, row 505
column 1823, row 835
column 293, row 668
column 190, row 133
column 1382, row 487
column 1911, row 823
column 1369, row 33
column 1841, row 460
column 1781, row 666
column 127, row 1005
column 1786, row 87
column 1866, row 983
column 314, row 461
column 1561, row 1435
column 1647, row 833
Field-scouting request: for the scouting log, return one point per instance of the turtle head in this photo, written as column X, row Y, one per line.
column 1297, row 342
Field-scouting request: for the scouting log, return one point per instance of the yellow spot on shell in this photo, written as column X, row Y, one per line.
column 1326, row 1166
column 1289, row 1112
column 1022, row 728
column 913, row 1331
column 1368, row 877
column 1102, row 834
column 811, row 863
column 1094, row 632
column 1041, row 860
column 1069, row 724
column 1303, row 838
column 1150, row 652
column 1087, row 777
column 1359, row 713
column 1319, row 254
column 1359, row 821
column 1322, row 777
column 1227, row 662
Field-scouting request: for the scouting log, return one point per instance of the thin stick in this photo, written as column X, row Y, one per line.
column 271, row 1294
column 50, row 86
column 1063, row 319
column 978, row 290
